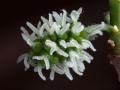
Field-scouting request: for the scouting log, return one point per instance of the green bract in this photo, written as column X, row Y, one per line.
column 59, row 43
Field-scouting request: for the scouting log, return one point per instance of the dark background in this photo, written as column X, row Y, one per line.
column 99, row 75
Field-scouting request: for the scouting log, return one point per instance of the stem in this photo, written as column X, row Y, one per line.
column 115, row 12
column 115, row 20
column 115, row 35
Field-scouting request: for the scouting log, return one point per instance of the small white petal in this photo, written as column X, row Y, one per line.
column 64, row 29
column 81, row 66
column 38, row 57
column 74, row 54
column 43, row 58
column 57, row 17
column 96, row 32
column 38, row 25
column 69, row 20
column 88, row 55
column 24, row 30
column 87, row 44
column 44, row 20
column 27, row 65
column 47, row 28
column 75, row 15
column 53, row 28
column 47, row 63
column 58, row 70
column 52, row 75
column 41, row 31
column 36, row 69
column 52, row 45
column 40, row 73
column 69, row 64
column 84, row 58
column 63, row 43
column 33, row 36
column 77, row 71
column 80, row 10
column 61, row 52
column 21, row 57
column 52, row 50
column 77, row 28
column 73, row 43
column 93, row 30
column 67, row 72
column 56, row 27
column 33, row 28
column 73, row 58
column 27, row 39
column 50, row 19
column 64, row 17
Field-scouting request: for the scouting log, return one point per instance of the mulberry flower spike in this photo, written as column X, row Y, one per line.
column 59, row 44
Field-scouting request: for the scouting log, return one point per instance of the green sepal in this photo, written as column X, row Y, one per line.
column 54, row 59
column 37, row 47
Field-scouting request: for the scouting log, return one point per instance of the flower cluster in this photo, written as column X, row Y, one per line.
column 59, row 44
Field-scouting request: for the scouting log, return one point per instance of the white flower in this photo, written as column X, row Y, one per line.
column 57, row 26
